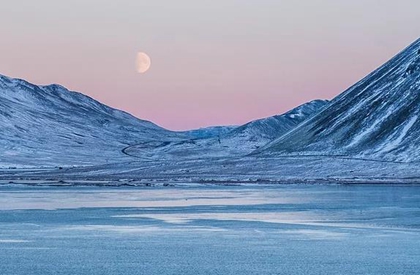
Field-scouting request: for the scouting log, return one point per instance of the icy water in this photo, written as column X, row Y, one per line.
column 210, row 230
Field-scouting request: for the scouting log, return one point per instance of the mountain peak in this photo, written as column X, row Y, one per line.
column 52, row 125
column 376, row 118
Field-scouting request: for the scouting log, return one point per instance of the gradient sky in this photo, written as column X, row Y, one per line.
column 214, row 62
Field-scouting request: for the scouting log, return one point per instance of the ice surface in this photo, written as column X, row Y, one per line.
column 210, row 230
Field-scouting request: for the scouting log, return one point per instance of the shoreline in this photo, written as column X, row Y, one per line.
column 211, row 183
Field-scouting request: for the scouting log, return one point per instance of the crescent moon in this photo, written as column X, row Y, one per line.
column 143, row 62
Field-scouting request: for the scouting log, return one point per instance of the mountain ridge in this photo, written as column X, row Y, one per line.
column 52, row 125
column 239, row 141
column 375, row 118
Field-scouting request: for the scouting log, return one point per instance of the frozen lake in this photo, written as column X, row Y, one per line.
column 355, row 229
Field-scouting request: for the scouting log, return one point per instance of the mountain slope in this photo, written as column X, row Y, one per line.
column 263, row 130
column 377, row 118
column 259, row 132
column 49, row 125
column 218, row 142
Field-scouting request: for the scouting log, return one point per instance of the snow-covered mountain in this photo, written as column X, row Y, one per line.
column 49, row 125
column 52, row 126
column 259, row 132
column 377, row 118
column 228, row 141
column 209, row 132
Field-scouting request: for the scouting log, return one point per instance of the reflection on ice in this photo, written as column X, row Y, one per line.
column 14, row 241
column 302, row 234
column 51, row 199
column 139, row 229
column 270, row 217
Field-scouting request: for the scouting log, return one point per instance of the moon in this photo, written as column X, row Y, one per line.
column 143, row 62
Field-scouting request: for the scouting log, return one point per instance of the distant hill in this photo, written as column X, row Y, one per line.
column 259, row 132
column 209, row 132
column 228, row 142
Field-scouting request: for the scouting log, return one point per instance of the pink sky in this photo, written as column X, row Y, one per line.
column 218, row 62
